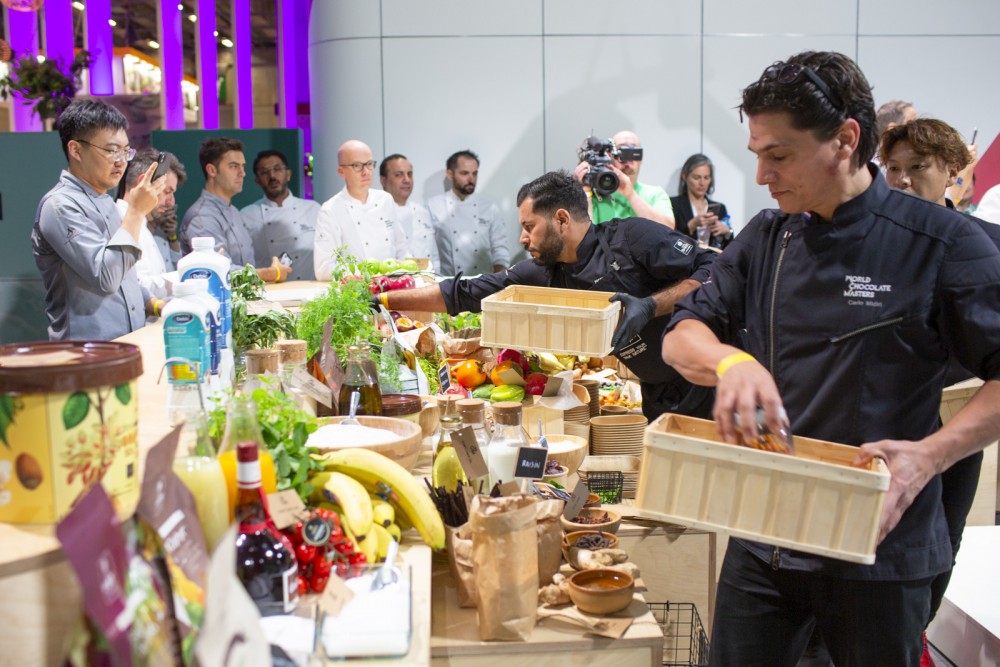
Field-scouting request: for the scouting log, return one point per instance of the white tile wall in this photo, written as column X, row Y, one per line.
column 343, row 20
column 781, row 17
column 928, row 17
column 624, row 17
column 460, row 17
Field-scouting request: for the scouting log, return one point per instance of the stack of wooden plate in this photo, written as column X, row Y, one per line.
column 576, row 421
column 617, row 435
column 627, row 465
column 593, row 390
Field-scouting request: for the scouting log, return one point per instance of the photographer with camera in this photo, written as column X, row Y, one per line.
column 609, row 172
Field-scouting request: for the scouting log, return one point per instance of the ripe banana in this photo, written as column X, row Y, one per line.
column 394, row 532
column 382, row 512
column 368, row 544
column 384, row 538
column 349, row 494
column 387, row 478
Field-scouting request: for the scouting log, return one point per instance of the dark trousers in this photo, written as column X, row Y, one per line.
column 764, row 616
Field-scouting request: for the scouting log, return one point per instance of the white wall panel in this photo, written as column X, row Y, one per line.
column 928, row 17
column 624, row 17
column 333, row 19
column 781, row 17
column 460, row 17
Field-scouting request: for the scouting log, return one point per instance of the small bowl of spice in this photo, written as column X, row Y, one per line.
column 595, row 518
column 555, row 472
column 591, row 540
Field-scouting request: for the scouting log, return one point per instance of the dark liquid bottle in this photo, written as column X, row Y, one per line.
column 265, row 560
column 358, row 377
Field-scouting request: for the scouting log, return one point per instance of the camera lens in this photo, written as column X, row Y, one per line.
column 606, row 182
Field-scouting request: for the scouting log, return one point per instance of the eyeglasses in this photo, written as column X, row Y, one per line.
column 277, row 169
column 361, row 166
column 789, row 73
column 115, row 154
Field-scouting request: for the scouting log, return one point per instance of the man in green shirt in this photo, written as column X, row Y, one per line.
column 633, row 199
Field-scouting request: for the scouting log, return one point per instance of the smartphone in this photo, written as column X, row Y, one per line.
column 285, row 259
column 975, row 131
column 715, row 209
column 161, row 166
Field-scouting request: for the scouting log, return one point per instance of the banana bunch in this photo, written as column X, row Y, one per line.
column 400, row 500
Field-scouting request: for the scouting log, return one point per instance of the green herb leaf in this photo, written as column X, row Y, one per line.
column 75, row 410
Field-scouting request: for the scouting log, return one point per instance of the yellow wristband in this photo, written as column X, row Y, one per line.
column 730, row 361
column 384, row 298
column 157, row 307
column 276, row 265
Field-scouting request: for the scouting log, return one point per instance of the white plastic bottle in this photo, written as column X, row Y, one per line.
column 201, row 293
column 205, row 262
column 186, row 332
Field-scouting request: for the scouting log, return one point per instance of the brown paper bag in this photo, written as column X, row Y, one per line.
column 547, row 513
column 459, row 545
column 505, row 557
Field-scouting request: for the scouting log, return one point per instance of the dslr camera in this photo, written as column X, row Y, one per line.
column 600, row 178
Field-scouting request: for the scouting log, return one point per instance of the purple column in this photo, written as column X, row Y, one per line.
column 171, row 64
column 58, row 20
column 22, row 33
column 101, row 47
column 242, row 44
column 288, row 98
column 208, row 65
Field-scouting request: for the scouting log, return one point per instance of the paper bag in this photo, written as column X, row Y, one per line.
column 459, row 545
column 505, row 557
column 547, row 513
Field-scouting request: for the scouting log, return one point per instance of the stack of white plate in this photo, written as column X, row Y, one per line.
column 593, row 390
column 627, row 465
column 617, row 435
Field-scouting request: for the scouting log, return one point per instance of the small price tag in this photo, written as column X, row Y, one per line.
column 285, row 508
column 552, row 386
column 530, row 463
column 312, row 387
column 262, row 306
column 510, row 488
column 576, row 501
column 469, row 453
column 444, row 376
column 335, row 596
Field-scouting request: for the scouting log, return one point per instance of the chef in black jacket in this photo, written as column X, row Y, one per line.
column 648, row 266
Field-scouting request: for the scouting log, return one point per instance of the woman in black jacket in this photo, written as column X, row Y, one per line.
column 693, row 208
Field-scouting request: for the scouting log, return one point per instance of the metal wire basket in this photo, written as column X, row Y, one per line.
column 607, row 484
column 685, row 643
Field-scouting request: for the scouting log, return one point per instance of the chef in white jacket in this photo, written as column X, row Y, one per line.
column 396, row 175
column 470, row 231
column 357, row 220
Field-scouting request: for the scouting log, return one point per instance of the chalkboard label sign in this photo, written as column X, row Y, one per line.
column 530, row 462
column 444, row 376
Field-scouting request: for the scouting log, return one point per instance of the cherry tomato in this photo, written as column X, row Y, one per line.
column 305, row 553
column 303, row 586
column 341, row 569
column 322, row 566
column 357, row 559
column 345, row 547
column 317, row 582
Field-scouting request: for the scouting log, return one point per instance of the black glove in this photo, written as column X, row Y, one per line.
column 638, row 313
column 375, row 304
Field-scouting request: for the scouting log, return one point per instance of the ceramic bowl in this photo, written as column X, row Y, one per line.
column 610, row 526
column 569, row 540
column 569, row 450
column 559, row 478
column 601, row 591
column 404, row 449
column 593, row 500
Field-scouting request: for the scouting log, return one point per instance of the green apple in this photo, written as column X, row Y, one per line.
column 389, row 265
column 409, row 265
column 372, row 266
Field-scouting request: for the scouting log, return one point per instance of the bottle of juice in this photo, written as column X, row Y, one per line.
column 241, row 426
column 202, row 475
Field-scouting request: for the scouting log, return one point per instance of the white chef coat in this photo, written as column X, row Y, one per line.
column 471, row 235
column 367, row 230
column 290, row 227
column 150, row 266
column 416, row 223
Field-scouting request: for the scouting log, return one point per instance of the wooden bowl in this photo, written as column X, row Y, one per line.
column 568, row 450
column 569, row 540
column 593, row 500
column 404, row 450
column 610, row 526
column 601, row 591
column 430, row 416
column 559, row 478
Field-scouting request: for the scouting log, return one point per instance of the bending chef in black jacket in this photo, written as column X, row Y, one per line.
column 648, row 265
column 849, row 304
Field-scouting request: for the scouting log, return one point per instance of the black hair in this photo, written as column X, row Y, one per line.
column 555, row 190
column 452, row 162
column 268, row 153
column 690, row 164
column 383, row 169
column 83, row 118
column 213, row 149
column 140, row 165
column 809, row 106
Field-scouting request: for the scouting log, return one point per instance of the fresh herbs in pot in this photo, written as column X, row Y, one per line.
column 255, row 330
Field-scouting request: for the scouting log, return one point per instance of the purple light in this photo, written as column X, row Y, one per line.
column 242, row 43
column 171, row 64
column 208, row 65
column 58, row 19
column 288, row 98
column 22, row 27
column 101, row 47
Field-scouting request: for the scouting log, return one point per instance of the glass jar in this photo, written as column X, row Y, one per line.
column 358, row 377
column 447, row 471
column 508, row 436
column 473, row 412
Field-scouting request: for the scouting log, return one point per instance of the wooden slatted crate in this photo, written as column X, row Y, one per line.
column 548, row 319
column 814, row 501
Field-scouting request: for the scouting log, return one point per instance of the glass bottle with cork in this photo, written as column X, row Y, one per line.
column 360, row 377
column 508, row 436
column 447, row 471
column 265, row 559
column 473, row 413
column 242, row 426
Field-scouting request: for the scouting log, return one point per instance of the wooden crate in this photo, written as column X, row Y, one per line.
column 814, row 501
column 563, row 321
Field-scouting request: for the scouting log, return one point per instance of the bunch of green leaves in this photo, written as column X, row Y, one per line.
column 347, row 304
column 47, row 83
column 246, row 284
column 465, row 320
column 285, row 427
column 429, row 365
column 255, row 330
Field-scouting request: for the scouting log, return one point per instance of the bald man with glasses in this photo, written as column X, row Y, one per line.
column 357, row 221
